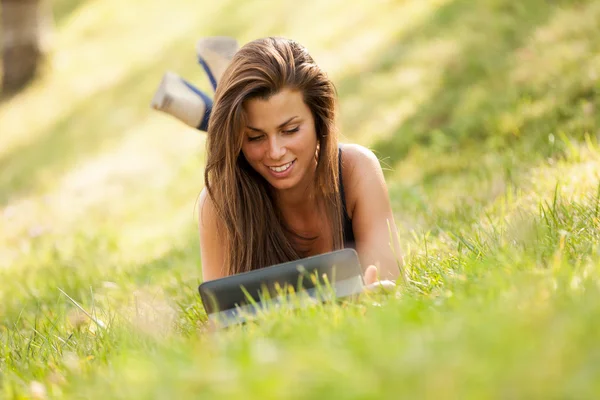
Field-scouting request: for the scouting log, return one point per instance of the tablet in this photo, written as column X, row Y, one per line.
column 233, row 299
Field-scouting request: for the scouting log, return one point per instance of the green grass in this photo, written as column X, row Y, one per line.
column 485, row 116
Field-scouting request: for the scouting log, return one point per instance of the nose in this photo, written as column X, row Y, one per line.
column 276, row 148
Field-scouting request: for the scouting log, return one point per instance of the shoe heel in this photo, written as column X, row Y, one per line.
column 180, row 99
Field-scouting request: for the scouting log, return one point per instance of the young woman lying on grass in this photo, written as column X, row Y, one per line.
column 278, row 185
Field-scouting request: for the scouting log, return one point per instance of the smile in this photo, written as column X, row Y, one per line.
column 282, row 168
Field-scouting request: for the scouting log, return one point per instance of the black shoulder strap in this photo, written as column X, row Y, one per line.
column 341, row 181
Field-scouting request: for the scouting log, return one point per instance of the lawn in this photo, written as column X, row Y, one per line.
column 486, row 118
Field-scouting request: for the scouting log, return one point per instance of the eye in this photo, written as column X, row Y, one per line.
column 254, row 138
column 292, row 130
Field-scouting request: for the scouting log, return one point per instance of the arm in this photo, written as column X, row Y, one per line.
column 211, row 245
column 372, row 217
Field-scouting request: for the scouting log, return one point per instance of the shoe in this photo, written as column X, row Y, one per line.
column 214, row 55
column 179, row 98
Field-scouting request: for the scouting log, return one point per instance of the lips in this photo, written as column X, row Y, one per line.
column 282, row 168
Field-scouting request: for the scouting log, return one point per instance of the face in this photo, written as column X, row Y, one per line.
column 280, row 140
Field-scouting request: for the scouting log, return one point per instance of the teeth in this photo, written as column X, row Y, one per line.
column 282, row 168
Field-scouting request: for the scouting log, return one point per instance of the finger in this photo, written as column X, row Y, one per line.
column 387, row 285
column 381, row 285
column 370, row 275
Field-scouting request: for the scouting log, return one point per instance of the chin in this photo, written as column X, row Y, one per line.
column 282, row 185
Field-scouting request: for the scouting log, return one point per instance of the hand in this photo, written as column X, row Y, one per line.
column 372, row 283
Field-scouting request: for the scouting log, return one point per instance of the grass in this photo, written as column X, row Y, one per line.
column 485, row 116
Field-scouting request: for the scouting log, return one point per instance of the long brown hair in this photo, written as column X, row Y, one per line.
column 254, row 232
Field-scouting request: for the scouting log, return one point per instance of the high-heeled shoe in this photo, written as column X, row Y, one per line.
column 179, row 98
column 214, row 55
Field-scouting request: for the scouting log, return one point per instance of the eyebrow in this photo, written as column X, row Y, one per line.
column 279, row 127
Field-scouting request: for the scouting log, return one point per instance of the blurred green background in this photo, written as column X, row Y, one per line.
column 485, row 117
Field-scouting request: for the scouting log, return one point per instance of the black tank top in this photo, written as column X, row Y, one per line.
column 348, row 233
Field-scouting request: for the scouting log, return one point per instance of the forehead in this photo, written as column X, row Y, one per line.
column 271, row 112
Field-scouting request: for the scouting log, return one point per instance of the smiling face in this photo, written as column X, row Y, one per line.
column 280, row 140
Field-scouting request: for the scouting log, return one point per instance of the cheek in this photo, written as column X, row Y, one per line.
column 252, row 153
column 303, row 140
column 310, row 141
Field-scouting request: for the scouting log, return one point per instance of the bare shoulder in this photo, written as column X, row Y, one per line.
column 207, row 213
column 359, row 167
column 203, row 201
column 356, row 153
column 212, row 251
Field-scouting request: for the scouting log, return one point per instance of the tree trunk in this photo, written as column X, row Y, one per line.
column 25, row 28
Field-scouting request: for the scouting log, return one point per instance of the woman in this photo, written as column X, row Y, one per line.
column 278, row 186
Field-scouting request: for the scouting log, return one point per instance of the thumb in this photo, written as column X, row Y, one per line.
column 370, row 275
